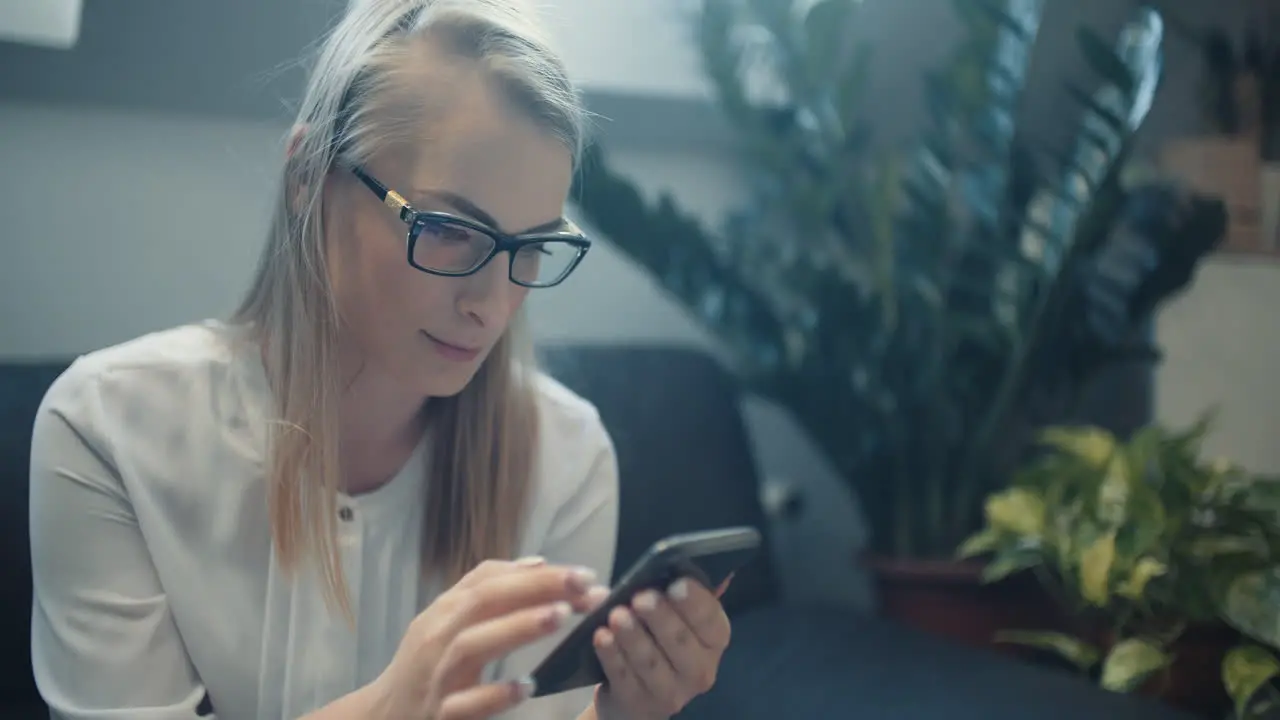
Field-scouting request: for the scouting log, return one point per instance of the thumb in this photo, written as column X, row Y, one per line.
column 296, row 134
column 724, row 586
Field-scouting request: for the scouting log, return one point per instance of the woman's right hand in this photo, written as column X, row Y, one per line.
column 492, row 610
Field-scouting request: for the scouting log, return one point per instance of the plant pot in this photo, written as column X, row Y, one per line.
column 1194, row 681
column 949, row 599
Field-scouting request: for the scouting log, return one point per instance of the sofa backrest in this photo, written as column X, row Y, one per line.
column 22, row 387
column 684, row 455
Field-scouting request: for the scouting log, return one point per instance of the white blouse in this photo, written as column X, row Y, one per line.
column 157, row 593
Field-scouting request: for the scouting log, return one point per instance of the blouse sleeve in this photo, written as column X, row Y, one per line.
column 583, row 533
column 104, row 645
column 585, row 530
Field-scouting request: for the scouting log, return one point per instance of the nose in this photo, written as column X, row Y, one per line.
column 484, row 296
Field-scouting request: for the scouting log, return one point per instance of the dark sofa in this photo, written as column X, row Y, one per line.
column 685, row 464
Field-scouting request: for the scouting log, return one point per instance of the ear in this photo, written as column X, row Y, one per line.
column 291, row 148
column 295, row 139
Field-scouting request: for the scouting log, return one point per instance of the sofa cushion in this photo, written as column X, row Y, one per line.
column 22, row 387
column 825, row 663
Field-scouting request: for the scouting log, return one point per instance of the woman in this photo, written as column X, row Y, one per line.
column 310, row 510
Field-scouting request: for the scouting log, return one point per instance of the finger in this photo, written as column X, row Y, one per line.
column 621, row 682
column 674, row 637
column 643, row 656
column 478, row 645
column 484, row 701
column 493, row 568
column 590, row 600
column 702, row 612
column 505, row 593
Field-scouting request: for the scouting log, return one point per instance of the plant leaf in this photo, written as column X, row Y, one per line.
column 1252, row 605
column 1095, row 569
column 827, row 29
column 1093, row 445
column 1076, row 651
column 1146, row 523
column 1245, row 670
column 1113, row 121
column 1114, row 491
column 851, row 92
column 1130, row 662
column 980, row 543
column 1206, row 547
column 1017, row 510
column 974, row 10
column 1104, row 61
column 1009, row 562
column 1143, row 572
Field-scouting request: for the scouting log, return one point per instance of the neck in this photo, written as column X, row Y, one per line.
column 380, row 427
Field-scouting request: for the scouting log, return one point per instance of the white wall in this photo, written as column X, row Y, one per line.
column 1222, row 345
column 50, row 23
column 633, row 46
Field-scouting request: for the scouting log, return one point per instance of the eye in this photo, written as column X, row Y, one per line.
column 533, row 250
column 544, row 262
column 446, row 232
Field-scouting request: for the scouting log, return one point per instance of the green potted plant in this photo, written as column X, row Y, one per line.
column 1153, row 552
column 918, row 309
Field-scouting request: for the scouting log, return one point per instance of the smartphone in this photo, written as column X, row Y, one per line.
column 708, row 557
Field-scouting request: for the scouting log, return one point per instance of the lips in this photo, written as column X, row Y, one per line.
column 450, row 351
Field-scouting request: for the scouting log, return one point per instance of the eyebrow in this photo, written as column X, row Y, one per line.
column 465, row 206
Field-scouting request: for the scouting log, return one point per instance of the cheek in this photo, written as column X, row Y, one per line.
column 518, row 294
column 379, row 282
column 407, row 295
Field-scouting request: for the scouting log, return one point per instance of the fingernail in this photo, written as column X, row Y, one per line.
column 558, row 614
column 581, row 579
column 606, row 639
column 724, row 586
column 597, row 595
column 524, row 688
column 679, row 589
column 531, row 561
column 647, row 601
column 624, row 620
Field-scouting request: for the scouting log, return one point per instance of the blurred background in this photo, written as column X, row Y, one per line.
column 139, row 141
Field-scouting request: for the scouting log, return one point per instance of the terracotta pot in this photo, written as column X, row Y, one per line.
column 949, row 599
column 1194, row 681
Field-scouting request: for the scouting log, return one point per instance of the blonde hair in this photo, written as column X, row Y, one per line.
column 361, row 100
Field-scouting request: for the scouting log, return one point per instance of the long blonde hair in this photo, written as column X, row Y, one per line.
column 361, row 99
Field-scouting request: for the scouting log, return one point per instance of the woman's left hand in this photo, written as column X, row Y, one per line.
column 661, row 652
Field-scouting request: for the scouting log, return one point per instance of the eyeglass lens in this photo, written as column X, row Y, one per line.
column 456, row 248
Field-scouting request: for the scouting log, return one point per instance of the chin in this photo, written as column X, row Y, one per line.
column 446, row 381
column 438, row 389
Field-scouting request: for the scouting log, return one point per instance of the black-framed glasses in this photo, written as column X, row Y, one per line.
column 443, row 244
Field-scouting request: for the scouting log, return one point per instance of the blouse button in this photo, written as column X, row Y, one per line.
column 345, row 514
